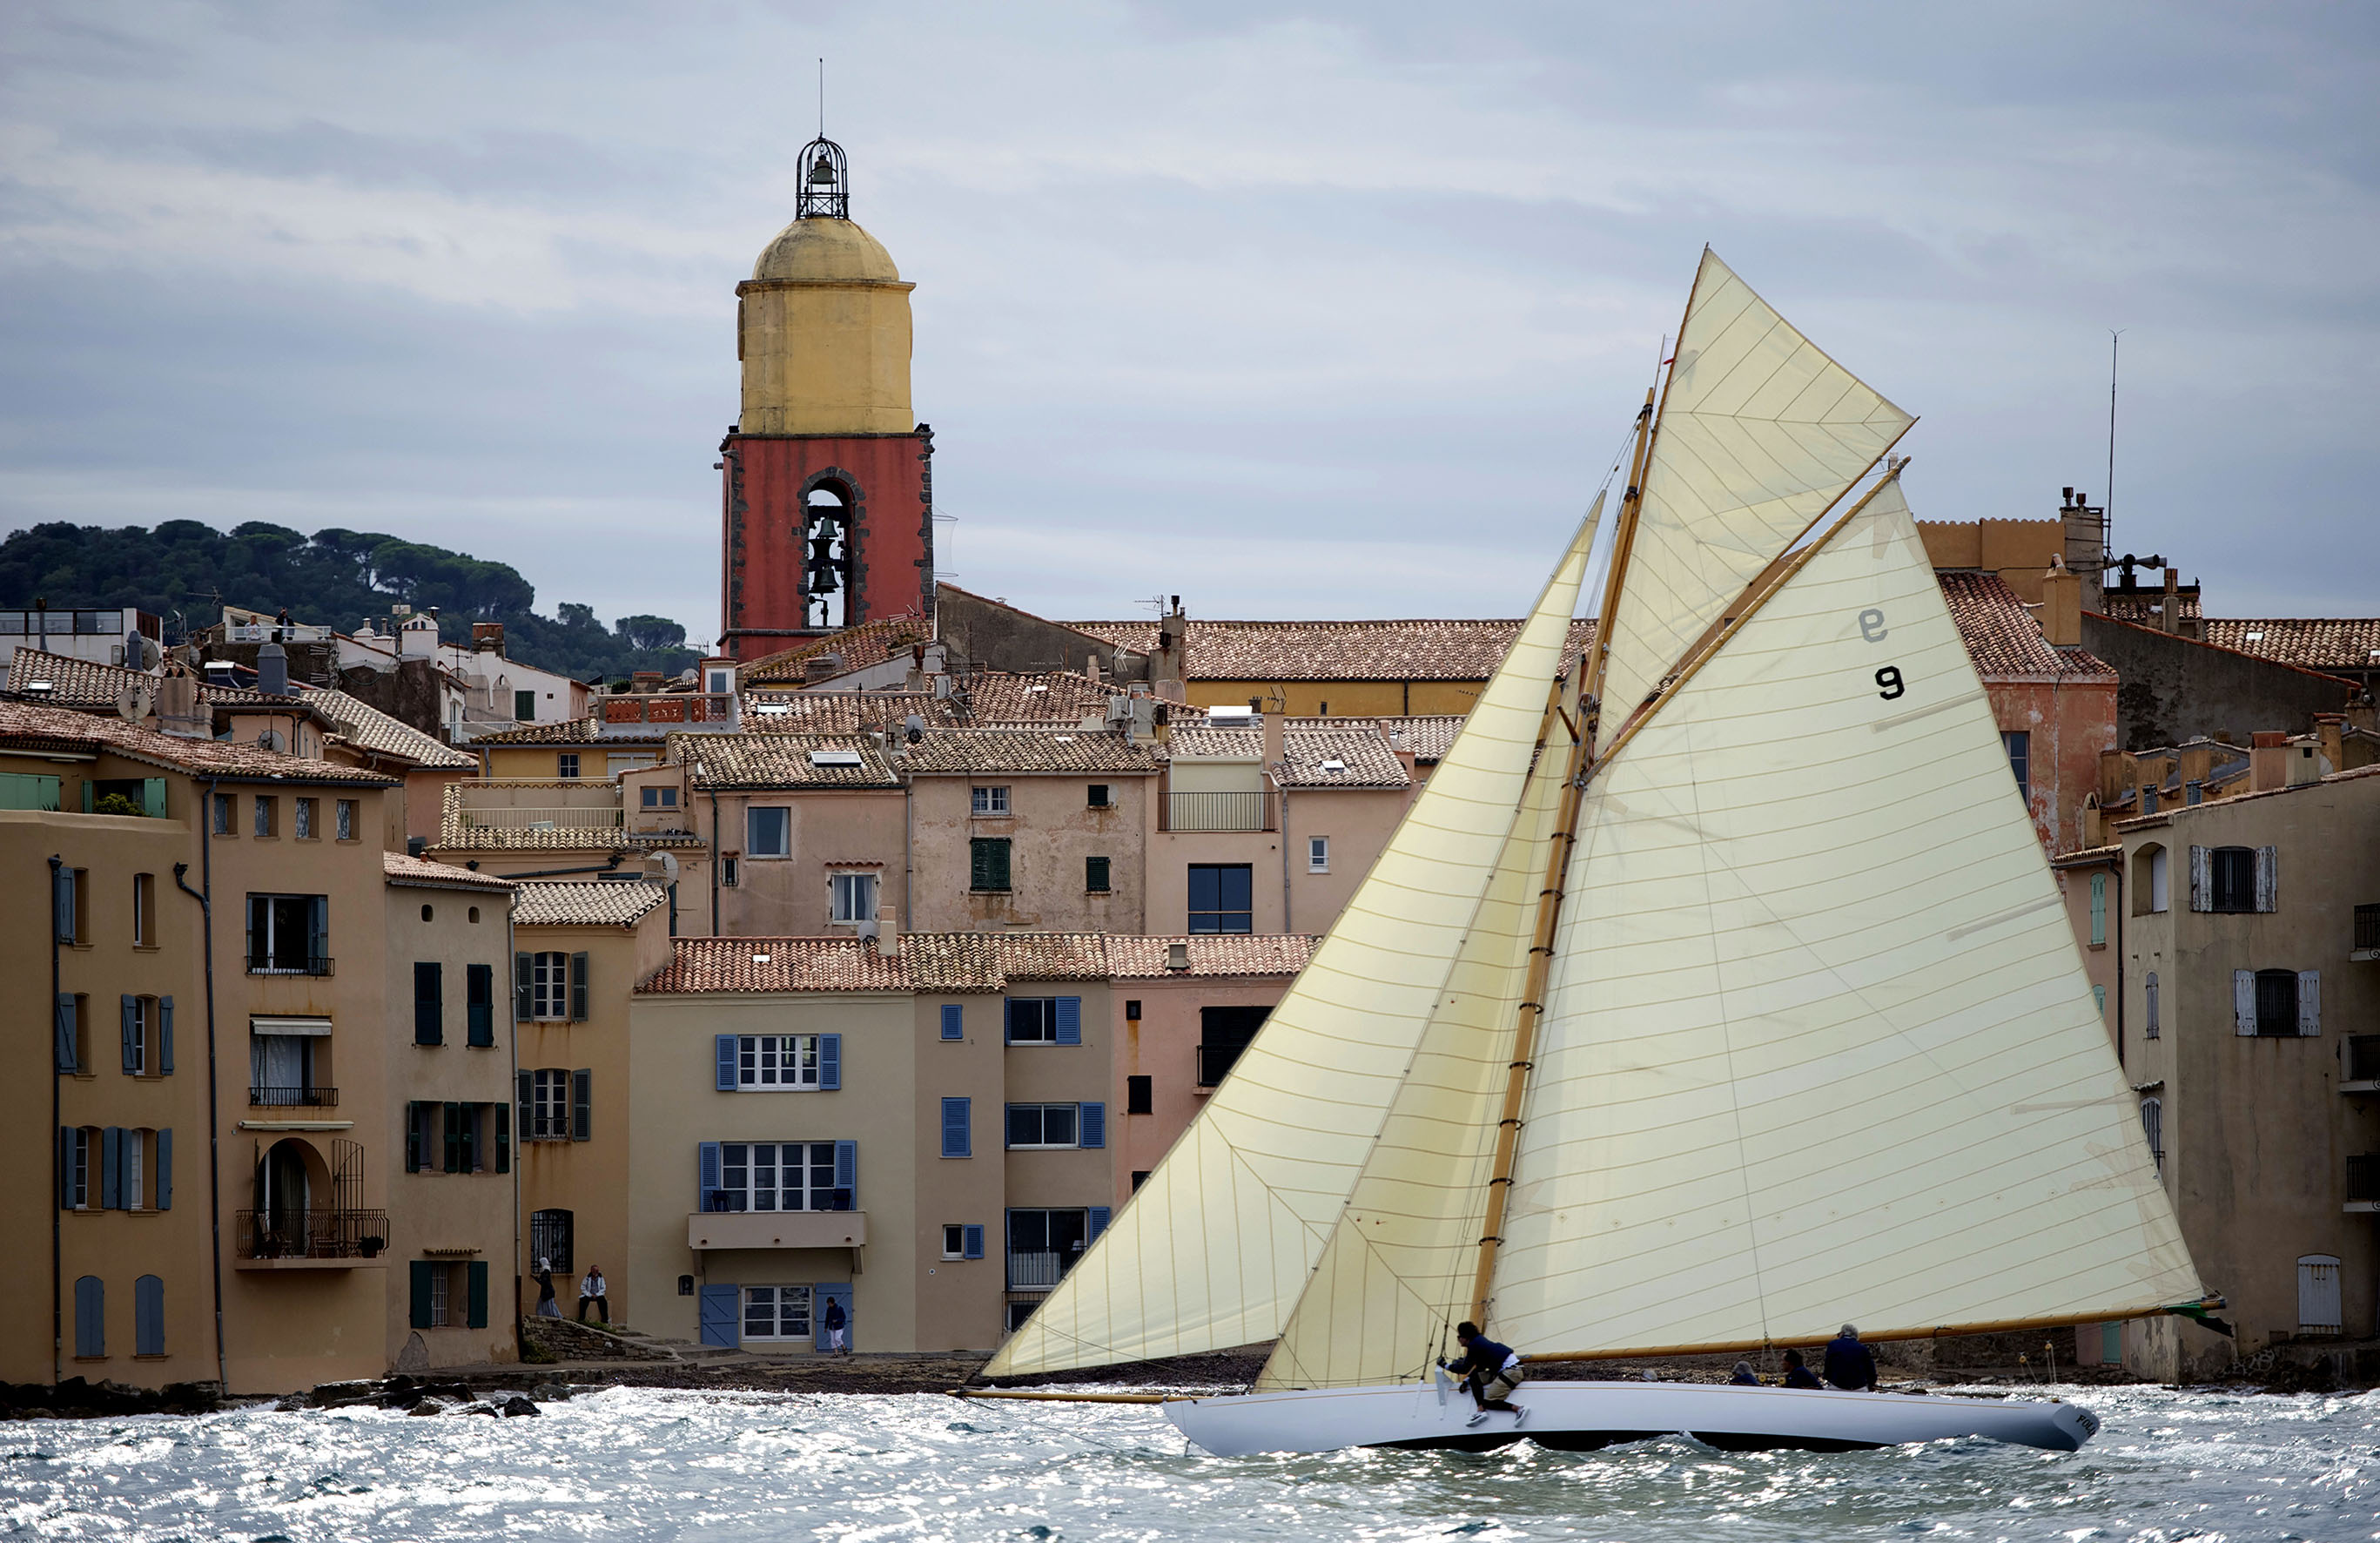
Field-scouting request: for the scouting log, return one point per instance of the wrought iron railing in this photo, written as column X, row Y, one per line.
column 1215, row 1062
column 2363, row 1177
column 293, row 1098
column 312, row 1234
column 287, row 963
column 2367, row 927
column 1217, row 811
column 541, row 817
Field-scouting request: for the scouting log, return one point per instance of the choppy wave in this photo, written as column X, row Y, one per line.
column 644, row 1464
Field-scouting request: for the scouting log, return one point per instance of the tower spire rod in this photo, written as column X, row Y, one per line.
column 821, row 96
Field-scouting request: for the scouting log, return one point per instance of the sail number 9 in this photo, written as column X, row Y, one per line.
column 1888, row 682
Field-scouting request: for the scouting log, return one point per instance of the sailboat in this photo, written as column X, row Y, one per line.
column 1715, row 991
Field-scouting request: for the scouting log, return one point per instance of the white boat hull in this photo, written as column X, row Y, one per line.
column 1584, row 1416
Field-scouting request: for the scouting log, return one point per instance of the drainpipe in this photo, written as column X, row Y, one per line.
column 204, row 896
column 57, row 1158
column 909, row 864
column 714, row 862
column 611, row 865
column 1285, row 926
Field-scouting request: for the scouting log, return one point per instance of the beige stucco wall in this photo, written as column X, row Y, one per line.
column 2099, row 959
column 958, row 1300
column 450, row 1218
column 1162, row 1045
column 788, row 897
column 1358, row 823
column 1051, row 829
column 1063, row 1074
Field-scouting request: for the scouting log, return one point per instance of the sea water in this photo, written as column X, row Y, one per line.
column 629, row 1462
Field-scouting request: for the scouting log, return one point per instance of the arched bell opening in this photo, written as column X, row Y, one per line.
column 827, row 511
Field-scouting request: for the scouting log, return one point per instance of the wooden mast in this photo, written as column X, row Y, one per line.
column 1541, row 948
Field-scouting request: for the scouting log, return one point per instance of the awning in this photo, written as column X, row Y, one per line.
column 288, row 1026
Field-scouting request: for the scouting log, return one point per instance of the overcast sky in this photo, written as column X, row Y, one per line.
column 1295, row 312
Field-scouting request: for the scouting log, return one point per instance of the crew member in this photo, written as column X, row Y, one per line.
column 1490, row 1371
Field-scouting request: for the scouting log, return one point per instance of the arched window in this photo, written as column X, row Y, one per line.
column 2153, row 1126
column 2152, row 881
column 826, row 554
column 2155, row 1024
column 90, row 1316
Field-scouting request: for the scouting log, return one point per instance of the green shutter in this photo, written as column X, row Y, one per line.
column 421, row 1273
column 477, row 1273
column 579, row 988
column 504, row 1113
column 453, row 1114
column 2098, row 909
column 429, row 1004
column 152, row 798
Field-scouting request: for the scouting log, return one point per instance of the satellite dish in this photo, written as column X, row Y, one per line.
column 142, row 653
column 273, row 739
column 662, row 867
column 133, row 703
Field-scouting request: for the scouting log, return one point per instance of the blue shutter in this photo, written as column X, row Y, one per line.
column 1069, row 1020
column 165, row 1170
column 718, row 1304
column 1098, row 1223
column 725, row 1048
column 90, row 1316
column 524, row 986
column 972, row 1234
column 830, row 1061
column 318, row 930
column 149, row 1316
column 111, row 1169
column 706, row 1179
column 1093, row 1128
column 958, row 1130
column 67, row 1036
column 164, row 1036
column 953, row 1021
column 847, row 1175
column 130, row 1022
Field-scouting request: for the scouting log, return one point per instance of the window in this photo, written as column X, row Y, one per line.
column 1139, row 1096
column 988, row 864
column 281, row 1073
column 989, row 801
column 1223, row 1034
column 953, row 1021
column 767, row 832
column 616, row 763
column 775, row 1060
column 1221, row 897
column 223, row 814
column 1044, row 1244
column 776, row 1176
column 79, row 1154
column 144, row 910
column 776, row 1312
column 268, row 815
column 2154, row 1027
column 954, row 1240
column 549, row 987
column 439, row 1277
column 958, row 1129
column 1098, row 796
column 1139, row 1177
column 719, row 682
column 2019, row 744
column 1094, row 875
column 134, row 1147
column 2098, row 910
column 851, row 897
column 2233, row 870
column 2153, row 1126
column 148, row 1035
column 1317, row 853
column 288, row 934
column 305, row 828
column 565, row 766
column 524, row 707
column 727, row 871
column 346, row 819
column 429, row 1004
column 548, row 1116
column 2152, row 882
column 2277, row 1003
column 1043, row 1125
column 658, row 798
column 551, row 1239
column 479, row 1001
column 1045, row 1020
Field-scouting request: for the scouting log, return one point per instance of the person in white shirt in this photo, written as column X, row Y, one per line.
column 591, row 1290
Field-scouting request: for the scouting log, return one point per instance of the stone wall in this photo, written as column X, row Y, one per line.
column 2176, row 688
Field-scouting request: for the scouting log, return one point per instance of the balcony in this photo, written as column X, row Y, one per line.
column 1035, row 1272
column 293, row 1098
column 1215, row 1062
column 1217, row 811
column 310, row 1239
column 779, row 1229
column 541, row 817
column 2367, row 933
column 289, row 963
column 2363, row 1182
column 695, row 710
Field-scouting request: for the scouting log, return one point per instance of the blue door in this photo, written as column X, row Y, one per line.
column 820, row 1296
column 719, row 1309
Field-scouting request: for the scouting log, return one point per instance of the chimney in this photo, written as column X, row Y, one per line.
column 1091, row 665
column 2086, row 531
column 1161, row 723
column 2061, row 605
column 2170, row 613
column 273, row 670
column 2331, row 728
column 1275, row 751
column 1177, row 956
column 888, row 933
column 488, row 638
column 177, row 709
column 2269, row 761
column 645, row 680
column 1170, row 665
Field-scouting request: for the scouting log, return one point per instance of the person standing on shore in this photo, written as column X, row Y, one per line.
column 833, row 1322
column 591, row 1290
column 546, row 1306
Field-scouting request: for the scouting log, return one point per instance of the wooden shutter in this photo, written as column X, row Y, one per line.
column 978, row 864
column 524, row 989
column 90, row 1316
column 129, row 1020
column 706, row 1176
column 847, row 1176
column 953, row 1021
column 62, row 906
column 149, row 1316
column 165, row 1168
column 414, row 1155
column 582, row 1104
column 2268, row 879
column 504, row 1117
column 1092, row 1125
column 152, row 798
column 524, row 1097
column 452, row 1129
column 958, row 1128
column 2244, row 1000
column 318, row 929
column 429, row 991
column 579, row 988
column 2202, row 883
column 479, row 1004
column 971, row 1235
column 111, row 1169
column 2309, row 1003
column 830, row 1062
column 724, row 1047
column 476, row 1287
column 165, row 1036
column 67, row 1033
column 420, row 1278
column 1069, row 1020
column 2098, row 909
column 1098, row 1223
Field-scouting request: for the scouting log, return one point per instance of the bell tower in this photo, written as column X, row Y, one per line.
column 827, row 489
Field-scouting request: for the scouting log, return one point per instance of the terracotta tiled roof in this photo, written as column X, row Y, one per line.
column 844, row 711
column 1049, row 696
column 2002, row 637
column 1414, row 649
column 1428, row 736
column 1044, row 749
column 2142, row 606
column 602, row 902
column 1358, row 745
column 53, row 726
column 568, row 731
column 416, row 873
column 868, row 643
column 1266, row 953
column 2310, row 644
column 924, row 962
column 83, row 683
column 369, row 728
column 763, row 761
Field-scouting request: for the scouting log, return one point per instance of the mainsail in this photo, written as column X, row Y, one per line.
column 1818, row 1044
column 1221, row 1237
column 1759, row 434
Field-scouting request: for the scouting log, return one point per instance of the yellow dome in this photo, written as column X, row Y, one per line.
column 825, row 251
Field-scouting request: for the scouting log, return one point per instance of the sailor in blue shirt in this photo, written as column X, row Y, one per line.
column 1490, row 1371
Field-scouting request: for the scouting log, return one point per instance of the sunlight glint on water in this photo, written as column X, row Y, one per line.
column 643, row 1463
